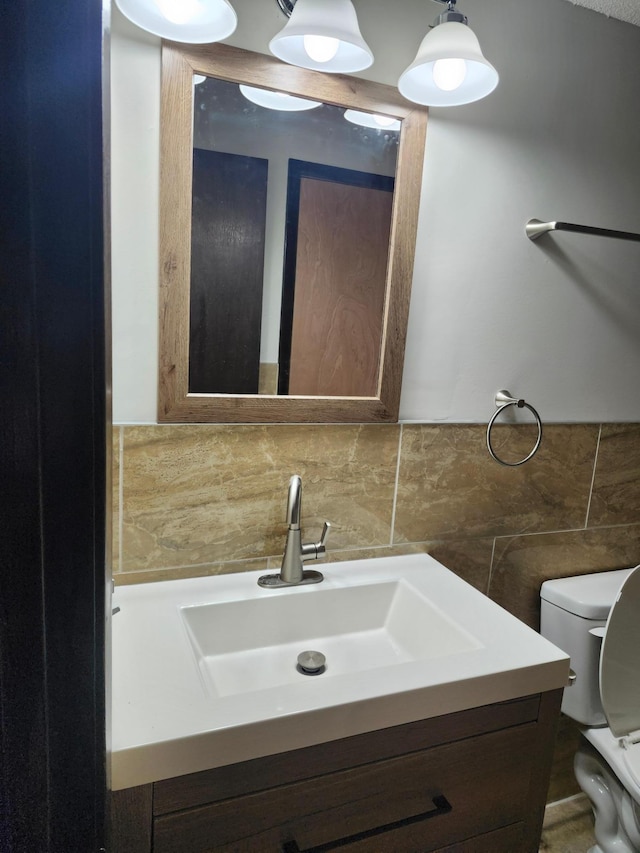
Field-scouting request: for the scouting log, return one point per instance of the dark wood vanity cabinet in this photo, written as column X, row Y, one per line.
column 468, row 782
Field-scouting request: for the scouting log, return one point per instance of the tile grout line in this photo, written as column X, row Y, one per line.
column 120, row 498
column 395, row 488
column 593, row 477
column 561, row 530
column 493, row 552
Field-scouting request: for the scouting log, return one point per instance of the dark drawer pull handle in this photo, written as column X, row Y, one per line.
column 442, row 806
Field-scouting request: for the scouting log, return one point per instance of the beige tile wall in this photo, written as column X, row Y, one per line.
column 206, row 499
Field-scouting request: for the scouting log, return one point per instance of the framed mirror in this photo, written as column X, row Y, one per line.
column 286, row 241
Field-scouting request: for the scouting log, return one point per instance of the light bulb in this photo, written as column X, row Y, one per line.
column 178, row 11
column 383, row 121
column 321, row 48
column 449, row 74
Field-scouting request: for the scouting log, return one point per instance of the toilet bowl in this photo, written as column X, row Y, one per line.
column 595, row 619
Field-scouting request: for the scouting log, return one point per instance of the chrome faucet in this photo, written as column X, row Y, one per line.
column 295, row 551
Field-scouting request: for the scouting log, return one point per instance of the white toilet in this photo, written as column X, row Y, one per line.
column 595, row 619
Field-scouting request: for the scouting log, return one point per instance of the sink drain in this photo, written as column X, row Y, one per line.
column 311, row 663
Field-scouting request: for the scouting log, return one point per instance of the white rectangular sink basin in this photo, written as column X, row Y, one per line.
column 204, row 670
column 248, row 646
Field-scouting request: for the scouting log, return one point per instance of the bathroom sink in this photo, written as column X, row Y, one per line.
column 247, row 646
column 205, row 670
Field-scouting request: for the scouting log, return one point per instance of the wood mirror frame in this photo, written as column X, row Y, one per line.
column 175, row 403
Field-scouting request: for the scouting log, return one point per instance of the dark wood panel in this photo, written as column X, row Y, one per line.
column 563, row 780
column 411, row 839
column 548, row 719
column 53, row 427
column 131, row 820
column 23, row 778
column 505, row 840
column 227, row 262
column 249, row 776
column 338, row 805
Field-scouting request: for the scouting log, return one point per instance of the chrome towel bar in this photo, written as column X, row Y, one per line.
column 535, row 228
column 504, row 399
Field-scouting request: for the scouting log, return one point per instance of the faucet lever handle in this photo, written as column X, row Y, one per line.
column 321, row 547
column 315, row 550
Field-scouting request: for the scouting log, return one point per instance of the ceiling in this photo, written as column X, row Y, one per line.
column 623, row 10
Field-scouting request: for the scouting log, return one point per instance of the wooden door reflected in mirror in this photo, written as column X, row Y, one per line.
column 259, row 328
column 336, row 250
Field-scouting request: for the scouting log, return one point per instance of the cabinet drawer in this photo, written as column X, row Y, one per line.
column 485, row 780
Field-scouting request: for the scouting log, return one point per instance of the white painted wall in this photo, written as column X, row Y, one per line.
column 135, row 165
column 556, row 322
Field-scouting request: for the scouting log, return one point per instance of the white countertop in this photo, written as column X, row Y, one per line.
column 168, row 719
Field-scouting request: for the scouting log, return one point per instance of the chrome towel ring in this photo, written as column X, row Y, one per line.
column 503, row 400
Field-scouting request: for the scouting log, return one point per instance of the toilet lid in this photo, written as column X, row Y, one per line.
column 620, row 660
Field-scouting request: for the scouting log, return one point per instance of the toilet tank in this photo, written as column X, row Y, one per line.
column 570, row 609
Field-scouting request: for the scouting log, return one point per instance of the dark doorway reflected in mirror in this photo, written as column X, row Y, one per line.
column 227, row 257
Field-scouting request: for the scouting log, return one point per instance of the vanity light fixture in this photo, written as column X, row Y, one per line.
column 322, row 35
column 189, row 21
column 379, row 122
column 277, row 100
column 449, row 68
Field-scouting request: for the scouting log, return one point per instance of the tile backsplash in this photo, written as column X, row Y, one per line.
column 206, row 499
column 203, row 499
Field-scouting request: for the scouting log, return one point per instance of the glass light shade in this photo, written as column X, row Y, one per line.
column 189, row 21
column 333, row 19
column 371, row 120
column 277, row 100
column 450, row 40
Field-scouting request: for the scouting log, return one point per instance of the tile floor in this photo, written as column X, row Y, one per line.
column 568, row 827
